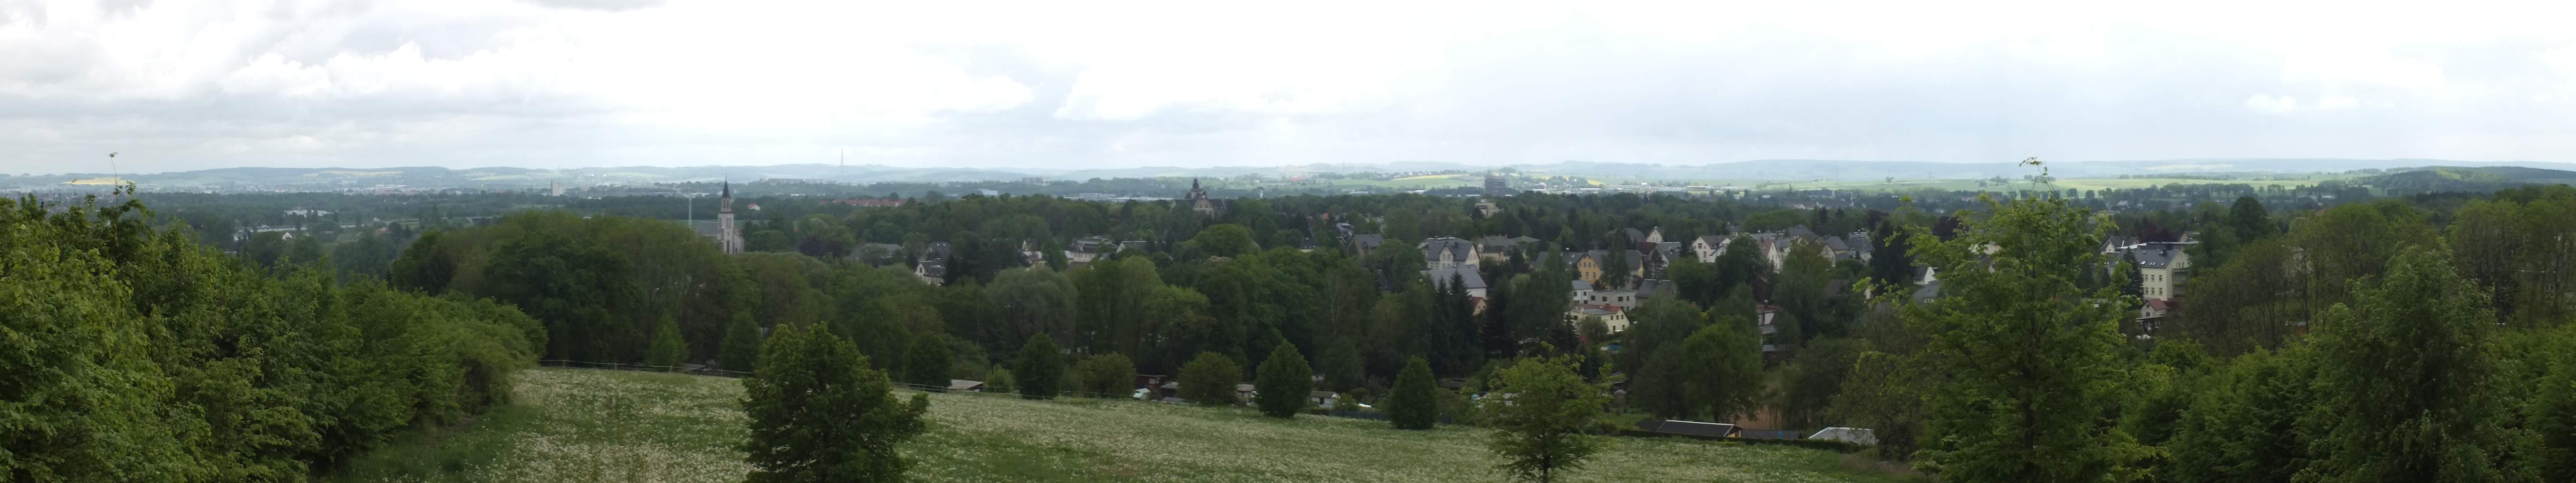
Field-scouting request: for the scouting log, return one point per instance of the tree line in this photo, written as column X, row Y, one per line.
column 133, row 353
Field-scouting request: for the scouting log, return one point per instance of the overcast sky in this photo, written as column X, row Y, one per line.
column 179, row 85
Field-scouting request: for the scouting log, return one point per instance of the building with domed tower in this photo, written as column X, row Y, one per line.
column 1197, row 200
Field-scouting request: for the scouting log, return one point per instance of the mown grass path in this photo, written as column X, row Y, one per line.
column 572, row 425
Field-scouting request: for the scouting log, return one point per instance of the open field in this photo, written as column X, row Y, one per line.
column 573, row 425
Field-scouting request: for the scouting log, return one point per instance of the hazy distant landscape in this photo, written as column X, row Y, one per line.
column 712, row 241
column 1320, row 178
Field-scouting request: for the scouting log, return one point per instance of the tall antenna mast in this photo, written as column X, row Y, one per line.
column 115, row 174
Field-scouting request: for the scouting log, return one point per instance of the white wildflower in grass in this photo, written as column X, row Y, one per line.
column 572, row 425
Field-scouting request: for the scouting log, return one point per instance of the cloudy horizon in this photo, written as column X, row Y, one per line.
column 177, row 86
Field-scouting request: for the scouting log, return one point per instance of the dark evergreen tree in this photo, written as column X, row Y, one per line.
column 1285, row 382
column 1041, row 368
column 741, row 350
column 1414, row 403
column 927, row 361
column 668, row 351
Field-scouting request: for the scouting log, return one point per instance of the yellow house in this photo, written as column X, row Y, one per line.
column 1588, row 266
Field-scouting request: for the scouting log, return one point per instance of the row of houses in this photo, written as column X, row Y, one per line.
column 1775, row 246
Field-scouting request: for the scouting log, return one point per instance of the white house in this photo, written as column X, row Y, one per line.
column 1708, row 247
column 1446, row 252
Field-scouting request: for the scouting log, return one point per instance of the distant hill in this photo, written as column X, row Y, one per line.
column 2465, row 174
column 2457, row 178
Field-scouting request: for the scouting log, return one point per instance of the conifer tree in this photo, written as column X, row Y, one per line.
column 667, row 352
column 1041, row 368
column 1414, row 403
column 741, row 349
column 927, row 361
column 1285, row 382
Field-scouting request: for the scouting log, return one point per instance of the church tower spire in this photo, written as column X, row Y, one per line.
column 727, row 239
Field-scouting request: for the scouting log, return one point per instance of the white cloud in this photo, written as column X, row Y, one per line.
column 2271, row 105
column 2337, row 103
column 604, row 82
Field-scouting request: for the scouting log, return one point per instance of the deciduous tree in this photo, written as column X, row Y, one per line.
column 1209, row 380
column 2029, row 354
column 1549, row 422
column 819, row 414
column 1106, row 375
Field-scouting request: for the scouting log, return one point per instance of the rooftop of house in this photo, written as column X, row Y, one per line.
column 1464, row 273
column 1635, row 260
column 1368, row 241
column 1651, row 288
column 1448, row 249
column 2158, row 254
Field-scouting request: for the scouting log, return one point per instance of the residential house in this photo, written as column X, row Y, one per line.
column 1707, row 247
column 2152, row 314
column 2114, row 244
column 1774, row 247
column 1632, row 235
column 1088, row 249
column 877, row 254
column 1624, row 299
column 2162, row 266
column 1587, row 265
column 1322, row 399
column 1839, row 249
column 1495, row 248
column 1766, row 317
column 933, row 265
column 1466, row 274
column 1446, row 252
column 1659, row 256
column 1582, row 289
column 1611, row 316
column 1655, row 287
column 1860, row 245
column 1363, row 244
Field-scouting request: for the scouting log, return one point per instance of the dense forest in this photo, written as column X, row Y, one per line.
column 136, row 354
column 2321, row 335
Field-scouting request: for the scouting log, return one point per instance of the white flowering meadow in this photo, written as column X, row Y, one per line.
column 571, row 425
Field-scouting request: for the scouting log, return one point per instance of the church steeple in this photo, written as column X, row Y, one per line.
column 728, row 238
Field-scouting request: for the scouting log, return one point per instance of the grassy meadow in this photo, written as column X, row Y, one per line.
column 572, row 425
